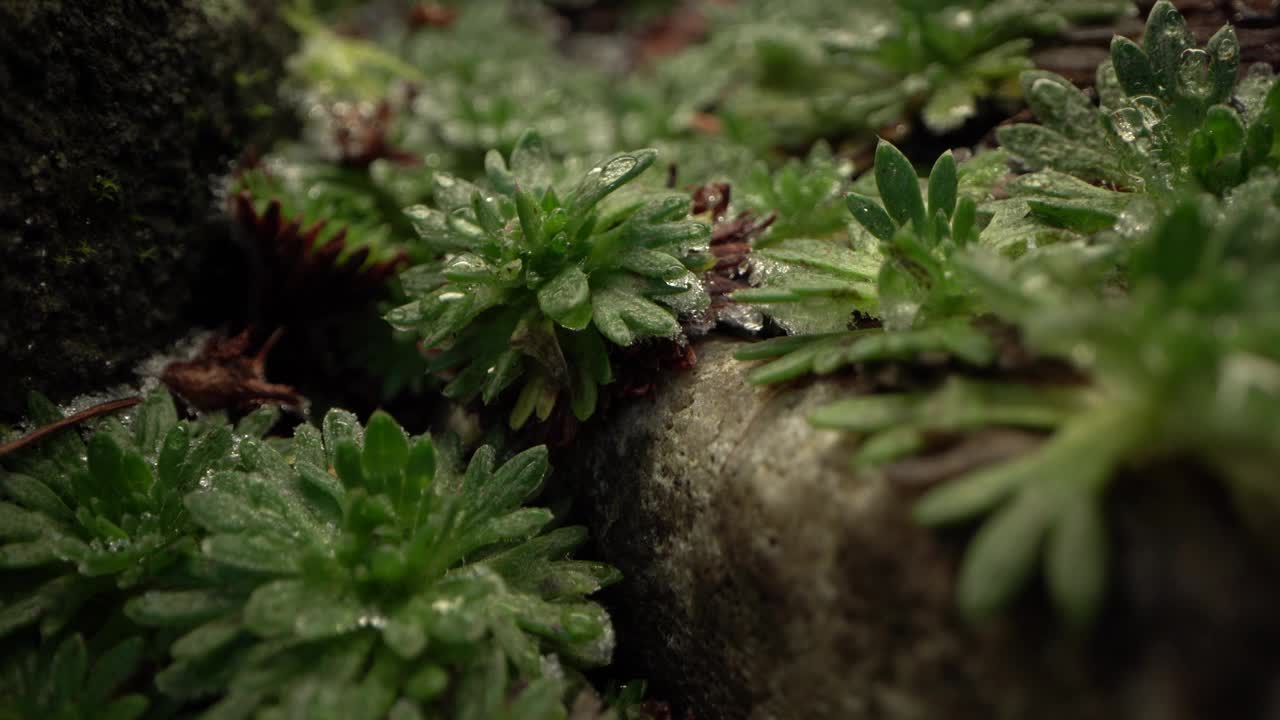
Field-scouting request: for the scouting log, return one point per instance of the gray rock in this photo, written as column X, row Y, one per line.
column 764, row 579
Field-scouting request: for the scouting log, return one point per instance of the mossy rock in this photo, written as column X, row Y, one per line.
column 116, row 120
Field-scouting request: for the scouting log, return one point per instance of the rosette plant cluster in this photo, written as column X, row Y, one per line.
column 538, row 279
column 351, row 575
column 347, row 571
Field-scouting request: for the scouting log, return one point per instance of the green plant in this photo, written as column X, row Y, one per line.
column 922, row 305
column 1183, row 365
column 803, row 70
column 357, row 575
column 58, row 681
column 93, row 522
column 343, row 212
column 806, row 195
column 484, row 95
column 534, row 285
column 1167, row 120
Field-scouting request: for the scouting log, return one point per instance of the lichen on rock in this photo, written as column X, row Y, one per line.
column 117, row 119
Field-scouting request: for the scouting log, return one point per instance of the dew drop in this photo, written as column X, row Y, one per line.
column 616, row 168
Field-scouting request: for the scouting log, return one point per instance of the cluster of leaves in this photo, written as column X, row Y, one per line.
column 343, row 212
column 790, row 72
column 904, row 281
column 1171, row 117
column 58, row 681
column 89, row 523
column 346, row 572
column 1148, row 262
column 533, row 285
column 1183, row 364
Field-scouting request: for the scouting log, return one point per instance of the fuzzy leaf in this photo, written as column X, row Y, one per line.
column 871, row 216
column 1165, row 39
column 899, row 186
column 1002, row 556
column 567, row 298
column 177, row 608
column 1132, row 68
column 1076, row 561
column 608, row 176
column 943, row 185
column 624, row 318
column 386, row 448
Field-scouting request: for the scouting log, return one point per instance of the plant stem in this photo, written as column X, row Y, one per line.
column 95, row 411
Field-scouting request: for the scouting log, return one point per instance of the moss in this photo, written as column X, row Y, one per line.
column 116, row 116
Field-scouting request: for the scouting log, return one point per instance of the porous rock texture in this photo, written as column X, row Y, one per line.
column 765, row 579
column 116, row 119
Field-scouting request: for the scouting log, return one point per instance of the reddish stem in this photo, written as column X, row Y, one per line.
column 95, row 411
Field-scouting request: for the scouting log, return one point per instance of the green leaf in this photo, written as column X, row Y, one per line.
column 35, row 495
column 1042, row 147
column 1132, row 68
column 623, row 318
column 519, row 479
column 1224, row 63
column 30, row 609
column 899, row 186
column 420, row 469
column 871, row 216
column 1165, row 39
column 1076, row 561
column 487, row 213
column 219, row 511
column 950, row 106
column 530, row 218
column 1081, row 216
column 566, row 298
column 207, row 638
column 451, row 192
column 111, row 670
column 16, row 556
column 608, row 176
column 287, row 607
column 207, row 451
column 1002, row 556
column 405, row 634
column 495, row 168
column 964, row 222
column 943, row 185
column 178, row 608
column 867, row 413
column 153, row 420
column 975, row 493
column 789, row 367
column 652, row 263
column 1177, row 248
column 1226, row 128
column 68, row 668
column 252, row 553
column 349, row 465
column 386, row 447
column 308, row 446
column 531, row 162
column 340, row 427
column 106, row 480
column 1063, row 107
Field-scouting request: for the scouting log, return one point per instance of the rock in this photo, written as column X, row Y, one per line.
column 116, row 119
column 764, row 579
